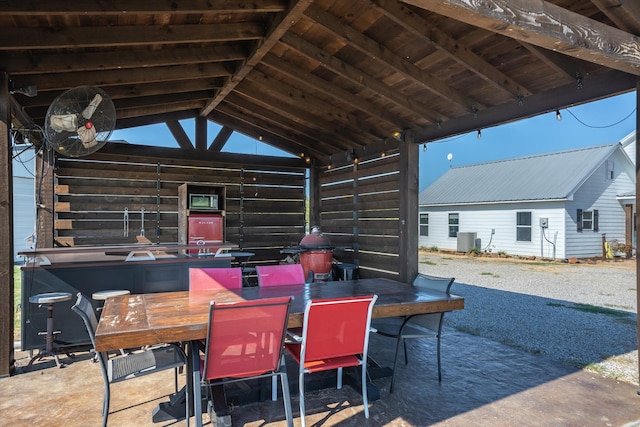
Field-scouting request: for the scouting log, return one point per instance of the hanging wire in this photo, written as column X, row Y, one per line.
column 601, row 127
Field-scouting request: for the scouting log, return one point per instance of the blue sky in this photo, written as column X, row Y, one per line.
column 597, row 123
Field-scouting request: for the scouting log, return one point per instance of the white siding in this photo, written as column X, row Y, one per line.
column 24, row 217
column 598, row 192
column 481, row 219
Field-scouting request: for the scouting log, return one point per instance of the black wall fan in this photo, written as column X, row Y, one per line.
column 80, row 121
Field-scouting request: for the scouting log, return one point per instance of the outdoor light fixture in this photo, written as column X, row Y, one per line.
column 558, row 116
column 351, row 157
column 479, row 134
column 424, row 148
column 397, row 135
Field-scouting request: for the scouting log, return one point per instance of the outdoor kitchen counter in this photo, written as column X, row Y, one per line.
column 150, row 268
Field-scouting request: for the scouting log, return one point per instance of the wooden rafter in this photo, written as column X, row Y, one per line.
column 625, row 14
column 546, row 25
column 456, row 51
column 284, row 21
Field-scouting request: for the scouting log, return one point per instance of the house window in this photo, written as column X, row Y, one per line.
column 523, row 226
column 587, row 220
column 453, row 224
column 424, row 224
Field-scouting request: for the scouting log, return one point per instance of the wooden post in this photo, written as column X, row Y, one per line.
column 6, row 233
column 408, row 185
column 637, row 192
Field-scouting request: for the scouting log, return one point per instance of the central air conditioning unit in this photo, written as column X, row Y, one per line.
column 466, row 241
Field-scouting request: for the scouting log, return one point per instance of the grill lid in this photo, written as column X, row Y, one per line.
column 315, row 240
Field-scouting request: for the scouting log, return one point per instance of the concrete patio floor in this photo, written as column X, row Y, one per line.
column 484, row 383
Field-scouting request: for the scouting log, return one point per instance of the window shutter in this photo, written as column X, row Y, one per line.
column 579, row 220
column 595, row 220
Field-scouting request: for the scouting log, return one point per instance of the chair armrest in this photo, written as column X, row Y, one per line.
column 293, row 334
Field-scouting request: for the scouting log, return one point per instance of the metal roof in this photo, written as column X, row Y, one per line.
column 550, row 176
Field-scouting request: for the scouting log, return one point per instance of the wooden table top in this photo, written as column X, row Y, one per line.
column 144, row 319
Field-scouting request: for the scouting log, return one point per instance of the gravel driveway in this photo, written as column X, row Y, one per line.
column 583, row 314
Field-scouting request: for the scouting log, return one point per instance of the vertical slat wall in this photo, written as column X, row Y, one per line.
column 359, row 207
column 265, row 207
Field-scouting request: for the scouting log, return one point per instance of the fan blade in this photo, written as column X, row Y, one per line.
column 91, row 108
column 87, row 136
column 68, row 122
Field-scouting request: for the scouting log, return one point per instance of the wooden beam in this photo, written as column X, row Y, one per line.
column 595, row 87
column 121, row 7
column 201, row 133
column 180, row 135
column 177, row 155
column 280, row 26
column 221, row 139
column 455, row 50
column 624, row 14
column 544, row 24
column 6, row 232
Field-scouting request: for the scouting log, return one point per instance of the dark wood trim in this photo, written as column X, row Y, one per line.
column 6, row 232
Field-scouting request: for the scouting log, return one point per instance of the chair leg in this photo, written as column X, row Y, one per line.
column 438, row 351
column 301, row 398
column 406, row 355
column 339, row 375
column 105, row 405
column 365, row 398
column 395, row 364
column 274, row 388
column 286, row 396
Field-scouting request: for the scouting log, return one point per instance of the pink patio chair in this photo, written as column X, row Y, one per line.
column 281, row 274
column 206, row 279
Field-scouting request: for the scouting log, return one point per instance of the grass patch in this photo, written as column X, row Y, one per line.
column 484, row 273
column 594, row 309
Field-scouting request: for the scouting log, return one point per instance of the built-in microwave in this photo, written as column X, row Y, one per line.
column 203, row 201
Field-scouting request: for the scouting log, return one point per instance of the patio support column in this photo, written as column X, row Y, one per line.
column 6, row 232
column 314, row 196
column 637, row 228
column 408, row 221
column 45, row 162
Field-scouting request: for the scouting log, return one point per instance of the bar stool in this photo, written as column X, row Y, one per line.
column 49, row 299
column 102, row 296
column 241, row 259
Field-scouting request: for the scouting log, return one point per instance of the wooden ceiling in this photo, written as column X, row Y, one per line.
column 325, row 76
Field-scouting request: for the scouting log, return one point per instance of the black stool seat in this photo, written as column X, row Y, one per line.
column 49, row 299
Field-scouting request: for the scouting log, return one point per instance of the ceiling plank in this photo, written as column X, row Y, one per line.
column 110, row 36
column 373, row 49
column 280, row 26
column 360, row 78
column 322, row 88
column 594, row 87
column 44, row 82
column 37, row 62
column 121, row 7
column 544, row 24
column 454, row 49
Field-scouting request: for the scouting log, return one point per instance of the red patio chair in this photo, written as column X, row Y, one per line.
column 281, row 274
column 206, row 279
column 245, row 340
column 334, row 335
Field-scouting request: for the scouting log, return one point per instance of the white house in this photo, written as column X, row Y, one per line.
column 24, row 212
column 557, row 205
